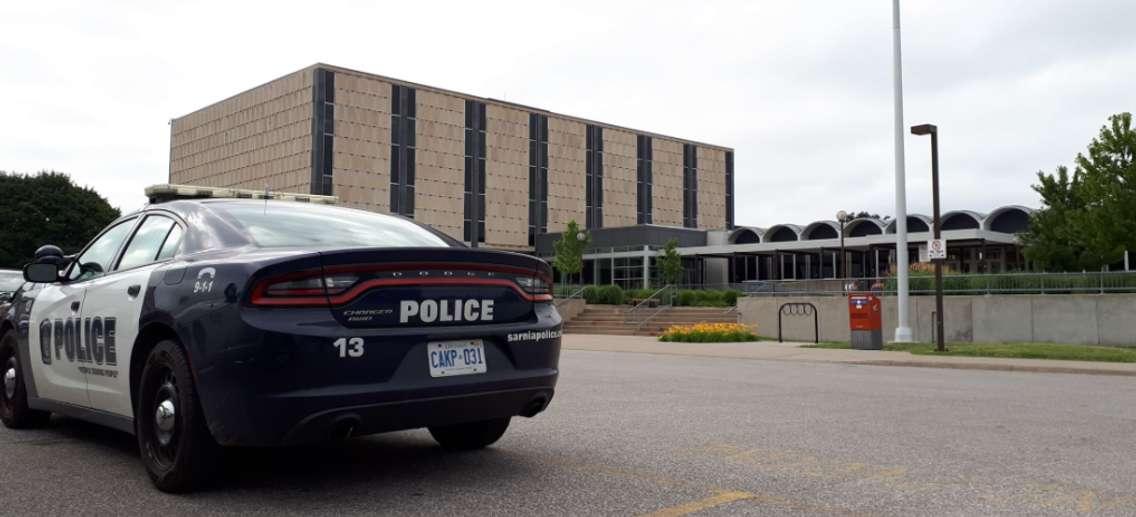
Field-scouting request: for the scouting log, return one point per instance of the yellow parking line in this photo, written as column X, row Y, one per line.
column 718, row 499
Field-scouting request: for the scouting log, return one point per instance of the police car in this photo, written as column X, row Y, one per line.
column 202, row 323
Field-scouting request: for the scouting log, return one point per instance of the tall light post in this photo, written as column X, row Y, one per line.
column 842, row 217
column 903, row 327
column 921, row 130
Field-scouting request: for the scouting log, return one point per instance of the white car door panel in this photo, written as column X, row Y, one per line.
column 115, row 299
column 56, row 342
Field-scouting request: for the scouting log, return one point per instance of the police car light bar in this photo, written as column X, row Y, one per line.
column 166, row 192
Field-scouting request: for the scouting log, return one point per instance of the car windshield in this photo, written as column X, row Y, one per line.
column 278, row 224
column 10, row 281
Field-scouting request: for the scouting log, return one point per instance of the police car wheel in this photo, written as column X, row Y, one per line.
column 470, row 436
column 14, row 410
column 177, row 449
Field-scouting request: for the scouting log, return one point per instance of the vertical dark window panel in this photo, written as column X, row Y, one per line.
column 323, row 129
column 403, row 128
column 593, row 171
column 538, row 175
column 690, row 186
column 475, row 174
column 730, row 190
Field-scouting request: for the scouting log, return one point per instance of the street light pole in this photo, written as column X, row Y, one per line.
column 903, row 327
column 930, row 129
column 840, row 217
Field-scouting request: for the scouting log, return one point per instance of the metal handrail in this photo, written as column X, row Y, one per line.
column 649, row 298
column 578, row 293
column 658, row 311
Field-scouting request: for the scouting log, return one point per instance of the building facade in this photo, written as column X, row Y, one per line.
column 488, row 172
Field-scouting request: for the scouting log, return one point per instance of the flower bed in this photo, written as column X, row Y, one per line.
column 709, row 333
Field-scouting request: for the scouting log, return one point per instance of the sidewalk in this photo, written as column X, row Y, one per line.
column 774, row 351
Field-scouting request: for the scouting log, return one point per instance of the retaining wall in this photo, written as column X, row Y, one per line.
column 1090, row 319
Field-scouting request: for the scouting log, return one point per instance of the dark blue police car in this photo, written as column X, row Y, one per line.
column 198, row 324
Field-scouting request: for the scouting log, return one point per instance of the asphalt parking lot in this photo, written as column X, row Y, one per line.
column 632, row 434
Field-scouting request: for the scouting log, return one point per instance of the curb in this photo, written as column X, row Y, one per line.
column 996, row 367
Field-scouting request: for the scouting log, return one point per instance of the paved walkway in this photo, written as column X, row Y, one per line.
column 774, row 351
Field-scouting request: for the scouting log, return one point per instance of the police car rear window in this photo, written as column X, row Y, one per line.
column 295, row 224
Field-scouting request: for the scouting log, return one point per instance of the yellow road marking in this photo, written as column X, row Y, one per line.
column 1087, row 502
column 718, row 499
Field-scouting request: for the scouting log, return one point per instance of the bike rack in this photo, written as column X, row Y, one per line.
column 799, row 309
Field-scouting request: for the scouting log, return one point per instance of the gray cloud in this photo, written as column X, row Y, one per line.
column 802, row 90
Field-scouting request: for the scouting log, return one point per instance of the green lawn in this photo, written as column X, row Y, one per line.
column 1012, row 350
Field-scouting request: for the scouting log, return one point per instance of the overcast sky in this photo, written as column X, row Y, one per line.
column 802, row 90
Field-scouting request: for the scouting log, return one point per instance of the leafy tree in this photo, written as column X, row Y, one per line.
column 670, row 263
column 569, row 258
column 852, row 214
column 47, row 208
column 1088, row 218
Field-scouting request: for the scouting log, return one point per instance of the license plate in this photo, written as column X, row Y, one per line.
column 453, row 358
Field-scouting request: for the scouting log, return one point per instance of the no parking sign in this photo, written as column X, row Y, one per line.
column 937, row 249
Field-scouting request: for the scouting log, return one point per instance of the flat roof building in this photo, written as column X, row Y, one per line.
column 485, row 171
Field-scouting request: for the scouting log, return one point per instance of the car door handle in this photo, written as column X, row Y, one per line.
column 75, row 306
column 133, row 290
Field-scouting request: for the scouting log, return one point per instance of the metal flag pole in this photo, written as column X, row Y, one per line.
column 903, row 328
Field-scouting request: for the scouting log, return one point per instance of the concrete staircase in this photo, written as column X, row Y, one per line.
column 615, row 320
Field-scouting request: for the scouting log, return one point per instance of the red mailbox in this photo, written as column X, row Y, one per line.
column 865, row 322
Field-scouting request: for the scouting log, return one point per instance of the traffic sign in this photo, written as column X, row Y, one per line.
column 937, row 249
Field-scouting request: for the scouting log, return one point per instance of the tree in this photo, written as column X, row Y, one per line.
column 852, row 214
column 670, row 264
column 1088, row 219
column 47, row 208
column 569, row 258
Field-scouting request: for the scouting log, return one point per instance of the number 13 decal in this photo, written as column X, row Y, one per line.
column 349, row 347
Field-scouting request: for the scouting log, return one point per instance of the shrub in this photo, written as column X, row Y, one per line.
column 709, row 333
column 604, row 294
column 612, row 294
column 706, row 298
column 634, row 296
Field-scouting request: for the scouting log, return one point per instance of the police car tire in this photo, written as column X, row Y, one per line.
column 470, row 436
column 14, row 410
column 195, row 455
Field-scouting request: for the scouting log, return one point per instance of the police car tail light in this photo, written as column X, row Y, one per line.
column 304, row 290
column 534, row 285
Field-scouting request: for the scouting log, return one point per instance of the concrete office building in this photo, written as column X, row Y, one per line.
column 488, row 172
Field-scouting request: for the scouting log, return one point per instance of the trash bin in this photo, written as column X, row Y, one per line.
column 864, row 321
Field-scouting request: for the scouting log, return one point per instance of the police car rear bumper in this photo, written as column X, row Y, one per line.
column 342, row 411
column 345, row 422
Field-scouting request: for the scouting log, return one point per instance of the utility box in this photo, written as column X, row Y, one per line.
column 865, row 322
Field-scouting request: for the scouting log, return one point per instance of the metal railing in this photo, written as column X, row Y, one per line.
column 663, row 298
column 1004, row 283
column 578, row 293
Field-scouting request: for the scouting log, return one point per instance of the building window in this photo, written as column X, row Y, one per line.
column 402, row 159
column 690, row 185
column 643, row 182
column 593, row 185
column 475, row 123
column 323, row 131
column 729, row 190
column 538, row 176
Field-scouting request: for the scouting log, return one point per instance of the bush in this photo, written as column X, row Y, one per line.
column 604, row 294
column 709, row 333
column 634, row 296
column 706, row 298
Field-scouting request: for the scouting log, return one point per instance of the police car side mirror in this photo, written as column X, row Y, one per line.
column 41, row 272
